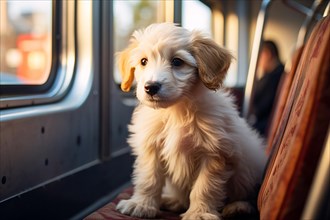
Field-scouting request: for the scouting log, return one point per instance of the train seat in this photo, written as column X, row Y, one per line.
column 301, row 133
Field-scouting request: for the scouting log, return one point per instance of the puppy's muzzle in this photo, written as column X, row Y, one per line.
column 152, row 88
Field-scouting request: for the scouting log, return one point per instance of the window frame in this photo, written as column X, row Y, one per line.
column 62, row 63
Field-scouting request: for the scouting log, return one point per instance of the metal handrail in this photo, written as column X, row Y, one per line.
column 298, row 7
column 326, row 10
column 310, row 17
column 303, row 9
column 254, row 56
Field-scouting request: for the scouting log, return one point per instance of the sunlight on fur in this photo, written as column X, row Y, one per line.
column 194, row 154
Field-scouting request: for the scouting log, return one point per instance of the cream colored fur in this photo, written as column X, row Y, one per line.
column 193, row 151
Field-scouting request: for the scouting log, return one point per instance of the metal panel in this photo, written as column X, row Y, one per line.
column 116, row 106
column 39, row 144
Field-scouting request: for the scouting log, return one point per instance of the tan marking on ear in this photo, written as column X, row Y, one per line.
column 213, row 61
column 126, row 70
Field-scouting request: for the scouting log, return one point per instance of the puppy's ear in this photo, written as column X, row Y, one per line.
column 212, row 60
column 126, row 69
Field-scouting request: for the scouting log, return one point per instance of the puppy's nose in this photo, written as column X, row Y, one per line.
column 152, row 87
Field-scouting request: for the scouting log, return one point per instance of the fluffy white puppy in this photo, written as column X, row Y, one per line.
column 193, row 151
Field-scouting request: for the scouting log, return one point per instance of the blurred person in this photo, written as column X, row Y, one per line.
column 270, row 70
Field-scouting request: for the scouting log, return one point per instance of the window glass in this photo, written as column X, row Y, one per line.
column 130, row 15
column 25, row 41
column 196, row 15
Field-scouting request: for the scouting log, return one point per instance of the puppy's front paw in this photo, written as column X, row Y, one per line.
column 136, row 209
column 199, row 215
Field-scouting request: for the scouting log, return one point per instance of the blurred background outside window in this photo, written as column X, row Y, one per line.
column 197, row 16
column 25, row 41
column 130, row 15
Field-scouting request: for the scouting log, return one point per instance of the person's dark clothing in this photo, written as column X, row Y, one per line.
column 264, row 96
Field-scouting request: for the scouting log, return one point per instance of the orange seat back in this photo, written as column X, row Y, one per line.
column 301, row 132
column 281, row 99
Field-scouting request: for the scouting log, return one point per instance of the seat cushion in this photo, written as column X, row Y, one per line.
column 109, row 211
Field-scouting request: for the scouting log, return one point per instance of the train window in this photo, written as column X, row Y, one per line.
column 26, row 42
column 38, row 51
column 196, row 15
column 131, row 15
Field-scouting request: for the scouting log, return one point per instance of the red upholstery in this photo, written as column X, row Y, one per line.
column 109, row 212
column 300, row 136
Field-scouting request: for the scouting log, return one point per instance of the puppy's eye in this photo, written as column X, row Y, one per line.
column 177, row 62
column 144, row 61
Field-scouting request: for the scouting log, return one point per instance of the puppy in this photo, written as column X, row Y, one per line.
column 193, row 151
